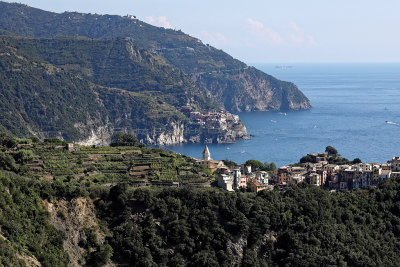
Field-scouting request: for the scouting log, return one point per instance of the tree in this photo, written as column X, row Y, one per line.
column 331, row 150
column 7, row 162
column 7, row 141
column 34, row 139
column 23, row 156
column 306, row 159
column 123, row 139
column 53, row 141
column 255, row 164
column 269, row 166
column 272, row 166
column 229, row 163
column 357, row 160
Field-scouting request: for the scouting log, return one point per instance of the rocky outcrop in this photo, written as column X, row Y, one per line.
column 100, row 135
column 236, row 249
column 76, row 218
column 179, row 133
column 249, row 89
column 175, row 135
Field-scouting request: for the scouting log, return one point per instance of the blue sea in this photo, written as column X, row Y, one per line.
column 351, row 104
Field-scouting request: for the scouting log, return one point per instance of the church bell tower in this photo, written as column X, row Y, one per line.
column 206, row 154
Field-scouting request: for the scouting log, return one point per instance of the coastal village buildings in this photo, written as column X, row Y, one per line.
column 319, row 173
column 216, row 120
column 234, row 179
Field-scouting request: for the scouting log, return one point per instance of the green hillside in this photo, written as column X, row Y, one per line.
column 214, row 71
column 37, row 97
column 82, row 207
column 85, row 90
column 104, row 165
column 116, row 63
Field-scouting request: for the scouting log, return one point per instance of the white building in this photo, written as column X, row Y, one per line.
column 225, row 181
column 262, row 177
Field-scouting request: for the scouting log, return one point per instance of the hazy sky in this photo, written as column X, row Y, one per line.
column 269, row 31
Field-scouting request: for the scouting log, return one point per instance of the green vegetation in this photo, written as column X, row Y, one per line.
column 25, row 222
column 121, row 162
column 331, row 150
column 269, row 166
column 333, row 158
column 119, row 74
column 215, row 72
column 342, row 161
column 302, row 226
column 123, row 139
column 255, row 164
column 258, row 166
column 306, row 159
column 71, row 87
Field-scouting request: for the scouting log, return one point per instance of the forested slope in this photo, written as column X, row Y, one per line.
column 84, row 90
column 214, row 71
column 55, row 221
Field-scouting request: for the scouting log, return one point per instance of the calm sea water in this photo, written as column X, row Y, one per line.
column 351, row 103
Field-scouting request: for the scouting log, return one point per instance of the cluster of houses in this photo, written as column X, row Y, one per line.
column 236, row 178
column 337, row 177
column 318, row 172
column 217, row 120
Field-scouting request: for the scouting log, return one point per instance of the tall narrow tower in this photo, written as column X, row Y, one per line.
column 206, row 154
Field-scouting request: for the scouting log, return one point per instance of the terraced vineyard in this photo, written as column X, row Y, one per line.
column 108, row 165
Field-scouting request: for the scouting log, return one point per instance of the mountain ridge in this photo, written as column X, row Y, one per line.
column 186, row 53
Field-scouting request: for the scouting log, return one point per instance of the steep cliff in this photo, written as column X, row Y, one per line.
column 249, row 89
column 76, row 218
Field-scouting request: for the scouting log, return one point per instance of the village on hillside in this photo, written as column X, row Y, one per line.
column 318, row 172
column 139, row 165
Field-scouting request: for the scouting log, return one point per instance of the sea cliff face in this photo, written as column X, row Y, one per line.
column 249, row 89
column 221, row 130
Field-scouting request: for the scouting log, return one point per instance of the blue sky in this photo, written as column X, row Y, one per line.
column 258, row 31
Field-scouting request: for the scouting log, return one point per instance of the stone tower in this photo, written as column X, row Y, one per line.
column 206, row 154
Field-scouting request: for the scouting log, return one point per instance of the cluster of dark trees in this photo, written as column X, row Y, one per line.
column 333, row 158
column 303, row 226
column 123, row 139
column 259, row 166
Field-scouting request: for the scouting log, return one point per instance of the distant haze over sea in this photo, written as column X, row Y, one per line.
column 356, row 109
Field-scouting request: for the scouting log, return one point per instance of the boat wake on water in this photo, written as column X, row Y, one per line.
column 392, row 123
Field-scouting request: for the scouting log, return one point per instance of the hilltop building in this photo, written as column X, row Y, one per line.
column 208, row 162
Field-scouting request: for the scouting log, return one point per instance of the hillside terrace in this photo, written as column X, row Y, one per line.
column 108, row 165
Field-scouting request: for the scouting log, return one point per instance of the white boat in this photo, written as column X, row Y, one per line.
column 390, row 122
